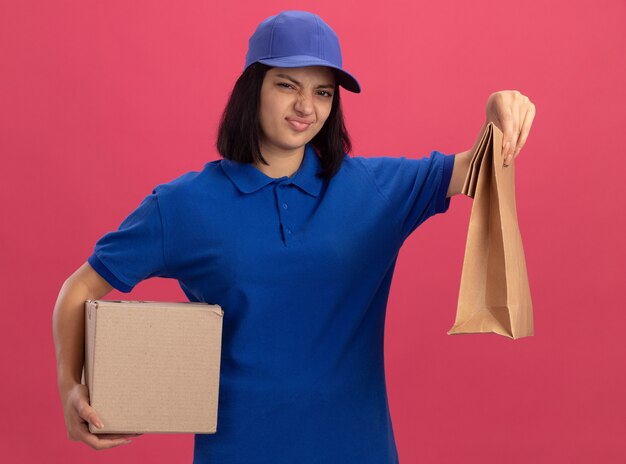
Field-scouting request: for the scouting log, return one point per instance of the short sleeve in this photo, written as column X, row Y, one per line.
column 415, row 188
column 135, row 251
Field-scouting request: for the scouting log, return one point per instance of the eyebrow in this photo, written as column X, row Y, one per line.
column 324, row 86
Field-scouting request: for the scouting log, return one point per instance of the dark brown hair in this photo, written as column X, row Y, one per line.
column 239, row 128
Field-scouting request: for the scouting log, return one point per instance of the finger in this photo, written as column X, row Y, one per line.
column 521, row 111
column 97, row 442
column 103, row 443
column 86, row 412
column 113, row 436
column 513, row 137
column 84, row 427
column 528, row 121
column 521, row 105
column 506, row 120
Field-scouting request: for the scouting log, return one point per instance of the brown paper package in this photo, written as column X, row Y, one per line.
column 494, row 295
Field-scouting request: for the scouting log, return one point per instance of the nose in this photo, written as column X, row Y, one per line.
column 304, row 104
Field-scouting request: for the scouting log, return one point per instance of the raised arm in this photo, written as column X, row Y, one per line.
column 459, row 172
column 461, row 166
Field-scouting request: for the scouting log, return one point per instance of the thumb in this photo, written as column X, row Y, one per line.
column 86, row 412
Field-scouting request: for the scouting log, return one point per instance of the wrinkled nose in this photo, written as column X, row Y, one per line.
column 304, row 104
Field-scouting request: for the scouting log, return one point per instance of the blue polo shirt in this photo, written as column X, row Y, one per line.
column 302, row 269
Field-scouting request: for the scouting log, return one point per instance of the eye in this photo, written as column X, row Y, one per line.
column 289, row 86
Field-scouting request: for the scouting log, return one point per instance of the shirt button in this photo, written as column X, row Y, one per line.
column 289, row 231
column 285, row 205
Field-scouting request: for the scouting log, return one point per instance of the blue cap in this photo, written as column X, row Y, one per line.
column 295, row 38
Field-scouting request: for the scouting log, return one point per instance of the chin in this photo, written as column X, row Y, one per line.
column 296, row 140
column 292, row 141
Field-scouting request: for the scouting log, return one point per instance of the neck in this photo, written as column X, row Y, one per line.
column 281, row 162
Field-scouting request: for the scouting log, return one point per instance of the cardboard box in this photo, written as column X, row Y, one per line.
column 153, row 367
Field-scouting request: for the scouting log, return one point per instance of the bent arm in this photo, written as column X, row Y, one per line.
column 68, row 322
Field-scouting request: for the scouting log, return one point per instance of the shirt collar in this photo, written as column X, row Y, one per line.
column 248, row 178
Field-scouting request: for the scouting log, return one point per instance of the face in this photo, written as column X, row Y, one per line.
column 295, row 103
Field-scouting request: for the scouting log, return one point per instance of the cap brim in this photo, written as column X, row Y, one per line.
column 345, row 79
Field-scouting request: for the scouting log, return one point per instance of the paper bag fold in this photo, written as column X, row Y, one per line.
column 494, row 295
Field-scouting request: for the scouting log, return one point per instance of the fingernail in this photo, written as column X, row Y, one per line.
column 99, row 425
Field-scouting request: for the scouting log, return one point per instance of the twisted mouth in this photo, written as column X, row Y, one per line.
column 299, row 124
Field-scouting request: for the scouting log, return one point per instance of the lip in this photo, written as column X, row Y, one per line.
column 298, row 124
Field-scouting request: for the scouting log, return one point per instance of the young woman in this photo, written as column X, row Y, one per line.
column 297, row 242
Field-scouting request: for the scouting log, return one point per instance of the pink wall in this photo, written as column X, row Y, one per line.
column 101, row 101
